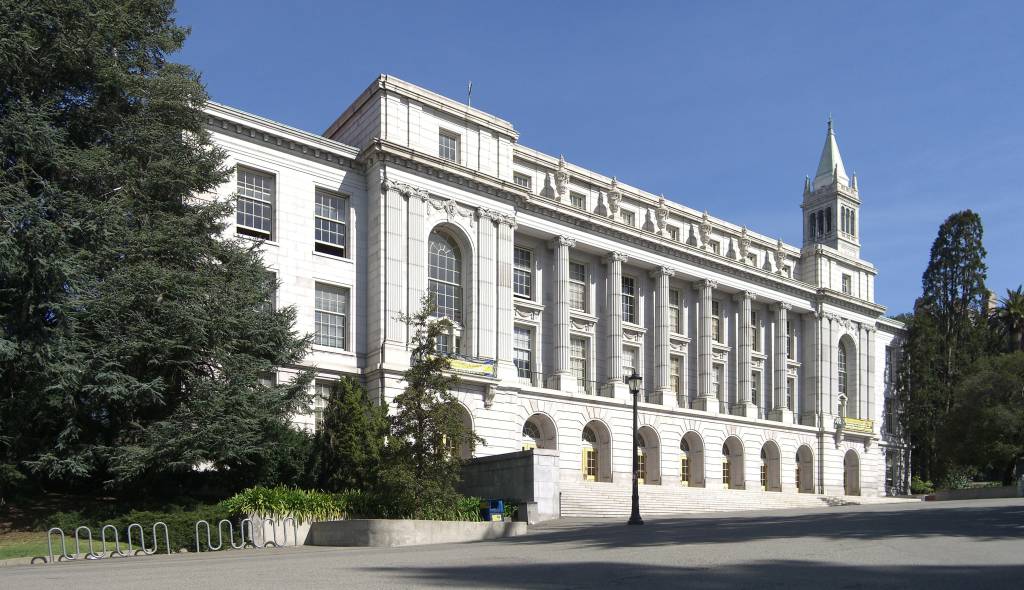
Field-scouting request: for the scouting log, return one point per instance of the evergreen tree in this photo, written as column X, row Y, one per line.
column 133, row 336
column 427, row 430
column 1008, row 319
column 921, row 392
column 350, row 439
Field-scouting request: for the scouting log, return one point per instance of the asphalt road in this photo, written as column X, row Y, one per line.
column 976, row 544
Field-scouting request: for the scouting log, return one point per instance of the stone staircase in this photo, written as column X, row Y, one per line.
column 602, row 500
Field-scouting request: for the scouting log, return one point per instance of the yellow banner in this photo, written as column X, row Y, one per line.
column 859, row 425
column 478, row 367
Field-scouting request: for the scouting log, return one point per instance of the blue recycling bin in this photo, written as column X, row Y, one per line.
column 491, row 510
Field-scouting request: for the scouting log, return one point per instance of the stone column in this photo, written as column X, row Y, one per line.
column 869, row 388
column 506, row 237
column 487, row 274
column 745, row 407
column 706, row 399
column 615, row 387
column 781, row 411
column 562, row 378
column 661, row 276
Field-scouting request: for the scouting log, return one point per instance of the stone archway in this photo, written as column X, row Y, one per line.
column 649, row 450
column 771, row 460
column 804, row 470
column 691, row 462
column 539, row 432
column 596, row 455
column 851, row 473
column 732, row 464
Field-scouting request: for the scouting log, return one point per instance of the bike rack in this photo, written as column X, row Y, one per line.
column 273, row 531
column 117, row 541
column 295, row 531
column 209, row 538
column 78, row 547
column 63, row 545
column 167, row 539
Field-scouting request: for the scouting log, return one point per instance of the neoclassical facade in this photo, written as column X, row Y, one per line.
column 765, row 365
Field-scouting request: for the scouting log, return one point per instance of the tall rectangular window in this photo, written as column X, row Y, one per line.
column 577, row 286
column 755, row 388
column 888, row 376
column 329, row 216
column 628, row 217
column 673, row 311
column 522, row 353
column 675, row 374
column 628, row 300
column 629, row 361
column 321, row 393
column 673, row 233
column 522, row 180
column 755, row 332
column 331, row 321
column 254, row 210
column 717, row 378
column 790, row 349
column 716, row 321
column 578, row 362
column 522, row 273
column 847, row 284
column 448, row 146
column 790, row 392
column 578, row 200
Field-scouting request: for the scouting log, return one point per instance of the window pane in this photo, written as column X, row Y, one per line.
column 331, row 317
column 578, row 361
column 254, row 209
column 578, row 200
column 448, row 147
column 628, row 300
column 522, row 352
column 444, row 263
column 522, row 274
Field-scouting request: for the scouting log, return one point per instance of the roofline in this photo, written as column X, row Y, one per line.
column 275, row 128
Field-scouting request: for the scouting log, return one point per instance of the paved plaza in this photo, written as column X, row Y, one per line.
column 976, row 544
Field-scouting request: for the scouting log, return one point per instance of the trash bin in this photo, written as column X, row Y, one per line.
column 492, row 510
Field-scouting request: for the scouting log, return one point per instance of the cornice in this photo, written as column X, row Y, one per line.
column 225, row 120
column 385, row 151
column 840, row 300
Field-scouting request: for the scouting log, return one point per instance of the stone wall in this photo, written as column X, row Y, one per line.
column 526, row 476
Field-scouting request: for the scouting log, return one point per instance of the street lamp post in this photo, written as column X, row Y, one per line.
column 634, row 381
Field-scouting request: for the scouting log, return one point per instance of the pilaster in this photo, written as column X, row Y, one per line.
column 615, row 387
column 506, row 236
column 745, row 407
column 781, row 411
column 487, row 311
column 706, row 399
column 562, row 378
column 662, row 347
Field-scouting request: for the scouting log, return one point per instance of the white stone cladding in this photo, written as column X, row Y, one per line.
column 759, row 324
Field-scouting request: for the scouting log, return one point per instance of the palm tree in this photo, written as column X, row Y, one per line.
column 1009, row 318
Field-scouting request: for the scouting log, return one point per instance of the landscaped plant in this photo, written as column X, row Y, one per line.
column 919, row 486
column 349, row 440
column 280, row 502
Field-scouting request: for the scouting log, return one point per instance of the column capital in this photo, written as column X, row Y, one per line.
column 747, row 295
column 662, row 271
column 403, row 189
column 498, row 217
column 705, row 284
column 782, row 306
column 557, row 241
column 615, row 257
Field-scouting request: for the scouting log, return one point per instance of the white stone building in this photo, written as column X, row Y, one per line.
column 560, row 281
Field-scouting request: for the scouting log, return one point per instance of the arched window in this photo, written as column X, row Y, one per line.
column 853, row 224
column 684, row 462
column 445, row 266
column 828, row 220
column 531, row 436
column 841, row 362
column 445, row 285
column 797, row 463
column 641, row 458
column 590, row 458
column 764, row 470
column 726, row 464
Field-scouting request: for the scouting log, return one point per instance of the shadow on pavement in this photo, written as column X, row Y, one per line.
column 993, row 523
column 774, row 574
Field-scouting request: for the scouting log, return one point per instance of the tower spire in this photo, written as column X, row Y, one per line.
column 830, row 166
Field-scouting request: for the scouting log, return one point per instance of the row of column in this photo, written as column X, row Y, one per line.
column 707, row 398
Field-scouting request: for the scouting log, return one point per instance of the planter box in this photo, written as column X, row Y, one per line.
column 263, row 532
column 399, row 533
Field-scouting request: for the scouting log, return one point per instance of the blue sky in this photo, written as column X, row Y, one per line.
column 718, row 105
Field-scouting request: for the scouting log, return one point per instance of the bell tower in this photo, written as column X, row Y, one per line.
column 831, row 203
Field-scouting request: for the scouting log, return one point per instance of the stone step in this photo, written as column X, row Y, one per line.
column 592, row 499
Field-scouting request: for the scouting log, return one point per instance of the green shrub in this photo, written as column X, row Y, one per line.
column 917, row 486
column 279, row 502
column 958, row 478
